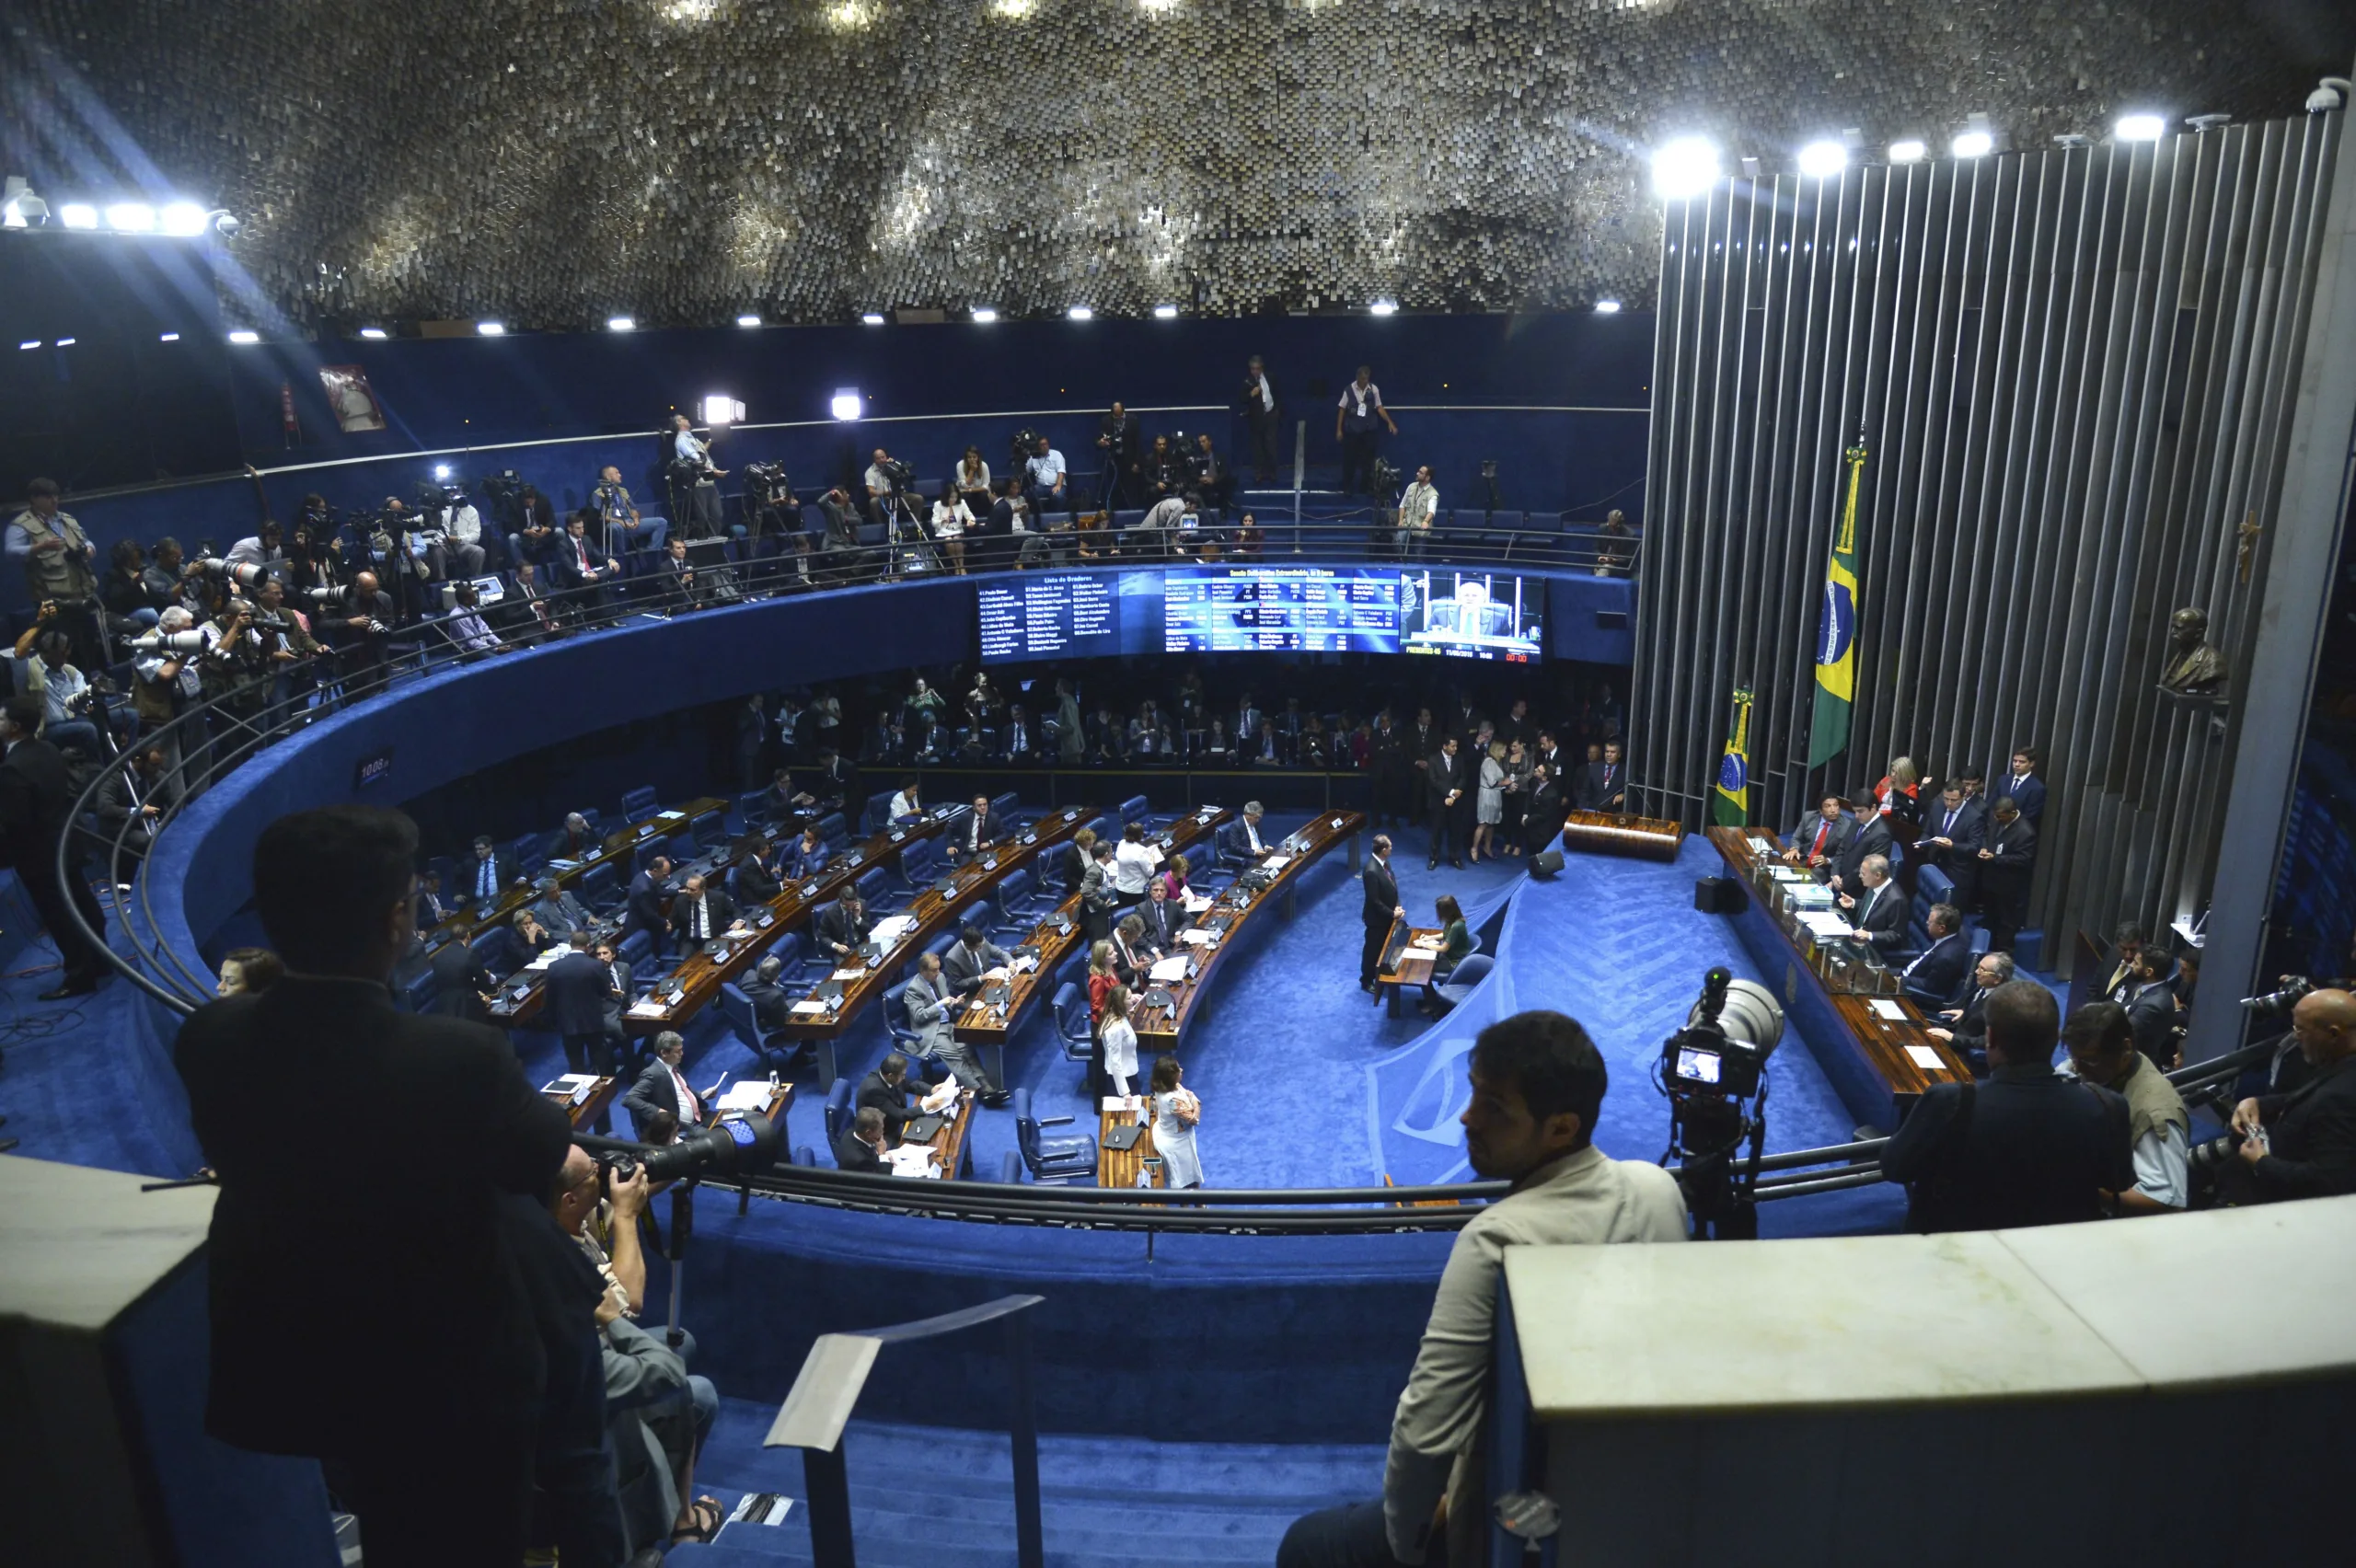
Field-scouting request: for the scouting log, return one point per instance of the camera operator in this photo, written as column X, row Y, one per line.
column 459, row 552
column 1537, row 1086
column 314, row 1310
column 2027, row 1146
column 883, row 479
column 400, row 557
column 131, row 606
column 73, row 708
column 691, row 467
column 360, row 631
column 164, row 679
column 840, row 542
column 2303, row 1144
column 287, row 646
column 264, row 547
column 59, row 560
column 624, row 529
column 1121, row 438
column 136, row 795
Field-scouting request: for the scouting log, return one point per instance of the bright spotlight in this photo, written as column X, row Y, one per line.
column 1824, row 160
column 1607, row 308
column 719, row 408
column 621, row 323
column 1383, row 308
column 984, row 314
column 1080, row 313
column 748, row 321
column 1165, row 313
column 441, row 470
column 374, row 334
column 2140, row 128
column 1973, row 144
column 131, row 217
column 492, row 328
column 67, row 342
column 79, row 215
column 183, row 218
column 1684, row 168
column 29, row 343
column 846, row 404
column 244, row 335
column 1908, row 151
column 871, row 318
column 170, row 338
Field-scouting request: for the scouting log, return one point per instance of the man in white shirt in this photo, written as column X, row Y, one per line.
column 1538, row 1084
column 261, row 548
column 1418, row 503
column 1044, row 471
column 691, row 467
column 1355, row 417
column 468, row 633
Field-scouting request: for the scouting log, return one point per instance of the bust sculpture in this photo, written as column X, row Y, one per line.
column 2193, row 668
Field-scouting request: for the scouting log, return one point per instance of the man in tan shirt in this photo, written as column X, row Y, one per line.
column 1537, row 1085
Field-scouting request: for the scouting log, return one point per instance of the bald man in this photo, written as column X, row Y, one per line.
column 2303, row 1145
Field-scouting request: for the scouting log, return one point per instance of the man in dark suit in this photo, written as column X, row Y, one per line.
column 2126, row 945
column 663, row 1087
column 430, row 910
column 834, row 782
column 582, row 571
column 488, row 877
column 577, row 988
column 1954, row 832
column 647, row 892
column 1247, row 719
column 841, row 927
column 757, row 880
column 1242, row 840
column 806, row 856
column 979, row 830
column 1877, row 907
column 860, row 1147
column 700, row 914
column 1938, row 970
column 460, row 983
column 1873, row 838
column 1388, row 760
column 771, row 1006
column 1965, row 1025
column 1604, row 785
column 2027, row 1146
column 1020, row 741
column 884, row 1092
column 621, row 990
column 1448, row 795
column 1546, row 810
column 576, row 840
column 1164, row 920
column 2005, row 865
column 778, row 800
column 313, row 1316
column 1380, row 887
column 1821, row 838
column 2152, row 1006
column 2310, row 1147
column 1122, row 440
column 2027, row 790
column 969, row 958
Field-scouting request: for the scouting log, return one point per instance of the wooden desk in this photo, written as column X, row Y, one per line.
column 951, row 1143
column 510, row 1011
column 1869, row 1063
column 1119, row 1166
column 780, row 1104
column 591, row 1106
column 1161, row 1029
column 1058, row 935
column 620, row 845
column 1415, row 963
column 1610, row 832
column 932, row 910
column 698, row 980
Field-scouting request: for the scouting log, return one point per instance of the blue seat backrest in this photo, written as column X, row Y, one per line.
column 599, row 884
column 896, row 1011
column 872, row 887
column 1003, row 808
column 787, row 948
column 832, row 829
column 1931, row 885
column 1470, row 970
column 526, row 852
column 1106, row 830
column 919, row 862
column 640, row 804
column 938, row 947
column 737, row 1009
column 1071, row 1010
column 838, row 1108
column 491, row 946
column 636, row 948
column 751, row 805
column 420, row 993
column 1013, row 890
column 1026, row 1127
column 878, row 814
column 1134, row 809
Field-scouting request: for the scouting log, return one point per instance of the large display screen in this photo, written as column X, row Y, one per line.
column 1455, row 612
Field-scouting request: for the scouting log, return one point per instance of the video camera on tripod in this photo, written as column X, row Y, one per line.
column 1709, row 1069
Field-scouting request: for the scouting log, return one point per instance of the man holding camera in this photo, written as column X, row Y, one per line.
column 624, row 529
column 2303, row 1144
column 291, row 1089
column 59, row 562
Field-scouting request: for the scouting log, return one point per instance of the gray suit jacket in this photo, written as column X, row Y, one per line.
column 963, row 972
column 933, row 1015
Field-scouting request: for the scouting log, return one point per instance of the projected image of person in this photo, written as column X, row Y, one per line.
column 1493, row 616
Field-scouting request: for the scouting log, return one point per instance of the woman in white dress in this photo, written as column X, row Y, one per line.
column 1176, row 1114
column 1119, row 1039
column 951, row 518
column 1491, row 800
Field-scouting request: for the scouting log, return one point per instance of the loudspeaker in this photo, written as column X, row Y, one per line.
column 1719, row 895
column 1546, row 863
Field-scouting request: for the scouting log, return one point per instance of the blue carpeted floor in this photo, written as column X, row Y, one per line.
column 939, row 1497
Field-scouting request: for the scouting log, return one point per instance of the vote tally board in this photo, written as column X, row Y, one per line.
column 1458, row 613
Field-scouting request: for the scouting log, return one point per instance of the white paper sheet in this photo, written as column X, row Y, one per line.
column 1197, row 902
column 573, row 1086
column 1885, row 1008
column 650, row 1007
column 1199, row 938
column 1168, row 969
column 1926, row 1059
column 1278, row 862
column 753, row 1094
column 810, row 1009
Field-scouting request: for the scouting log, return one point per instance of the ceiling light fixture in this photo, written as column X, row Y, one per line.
column 183, row 218
column 79, row 215
column 441, row 470
column 1684, row 167
column 170, row 338
column 1824, row 160
column 846, row 404
column 67, row 342
column 1973, row 144
column 749, row 320
column 2141, row 127
column 1607, row 308
column 1080, row 313
column 374, row 334
column 621, row 323
column 492, row 328
column 984, row 314
column 872, row 319
column 244, row 335
column 131, row 217
column 1909, row 151
column 1383, row 308
column 29, row 343
column 1165, row 313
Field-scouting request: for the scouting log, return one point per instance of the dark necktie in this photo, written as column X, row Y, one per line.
column 1947, row 829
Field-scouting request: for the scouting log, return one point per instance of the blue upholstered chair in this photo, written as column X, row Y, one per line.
column 1068, row 1161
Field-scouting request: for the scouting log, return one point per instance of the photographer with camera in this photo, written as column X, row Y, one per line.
column 840, row 539
column 2301, row 1144
column 696, row 480
column 66, row 695
column 360, row 631
column 59, row 563
column 315, row 1351
column 2101, row 1042
column 1121, row 438
column 624, row 529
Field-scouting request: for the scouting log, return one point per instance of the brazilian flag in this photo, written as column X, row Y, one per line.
column 1730, row 805
column 1836, row 636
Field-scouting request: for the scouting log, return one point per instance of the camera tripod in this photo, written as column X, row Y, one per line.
column 905, row 538
column 1720, row 1183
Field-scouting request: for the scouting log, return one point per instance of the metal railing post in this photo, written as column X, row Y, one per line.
column 1030, row 1537
column 828, row 1483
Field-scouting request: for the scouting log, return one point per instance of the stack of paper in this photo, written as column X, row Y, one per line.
column 1926, row 1059
column 543, row 960
column 1197, row 902
column 1278, row 862
column 1825, row 926
column 849, row 976
column 1168, row 970
column 1196, row 936
column 574, row 1087
column 1124, row 1102
column 943, row 1095
column 888, row 932
column 753, row 1094
column 810, row 1009
column 651, row 1006
column 912, row 1160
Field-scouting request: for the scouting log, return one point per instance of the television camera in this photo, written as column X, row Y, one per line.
column 1714, row 1073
